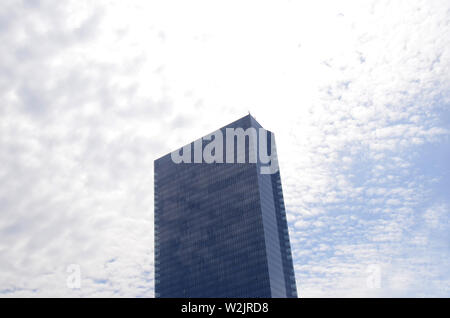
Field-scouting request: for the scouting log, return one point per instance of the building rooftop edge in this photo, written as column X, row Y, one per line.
column 252, row 119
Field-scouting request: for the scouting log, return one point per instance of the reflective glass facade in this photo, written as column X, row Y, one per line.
column 220, row 230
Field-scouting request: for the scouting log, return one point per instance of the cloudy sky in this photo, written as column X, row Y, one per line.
column 357, row 93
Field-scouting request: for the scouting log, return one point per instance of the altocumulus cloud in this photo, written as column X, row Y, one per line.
column 357, row 94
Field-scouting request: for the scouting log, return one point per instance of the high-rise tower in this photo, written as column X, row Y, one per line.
column 220, row 225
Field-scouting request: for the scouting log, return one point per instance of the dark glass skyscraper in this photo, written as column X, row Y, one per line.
column 220, row 228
